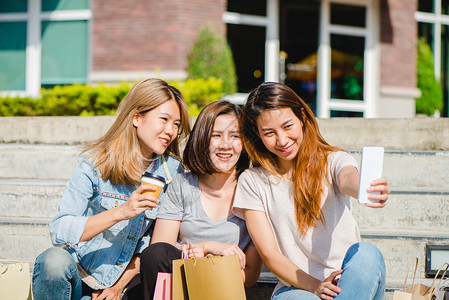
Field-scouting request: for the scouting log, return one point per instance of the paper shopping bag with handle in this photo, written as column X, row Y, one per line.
column 436, row 295
column 163, row 289
column 214, row 277
column 179, row 286
column 418, row 291
column 15, row 280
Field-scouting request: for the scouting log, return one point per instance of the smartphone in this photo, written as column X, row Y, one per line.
column 370, row 169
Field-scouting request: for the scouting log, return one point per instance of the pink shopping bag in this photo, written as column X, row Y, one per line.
column 163, row 287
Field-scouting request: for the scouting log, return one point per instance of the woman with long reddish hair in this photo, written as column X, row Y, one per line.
column 296, row 203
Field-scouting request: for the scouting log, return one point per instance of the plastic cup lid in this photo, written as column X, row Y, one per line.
column 157, row 177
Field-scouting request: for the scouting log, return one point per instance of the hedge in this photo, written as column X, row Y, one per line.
column 102, row 99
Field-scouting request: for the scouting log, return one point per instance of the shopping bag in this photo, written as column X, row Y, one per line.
column 15, row 280
column 418, row 291
column 440, row 294
column 413, row 292
column 443, row 291
column 179, row 285
column 163, row 288
column 214, row 277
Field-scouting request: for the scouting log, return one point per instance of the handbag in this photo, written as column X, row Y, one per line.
column 210, row 277
column 419, row 291
column 163, row 290
column 15, row 280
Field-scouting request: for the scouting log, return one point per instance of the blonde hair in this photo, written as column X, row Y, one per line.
column 117, row 153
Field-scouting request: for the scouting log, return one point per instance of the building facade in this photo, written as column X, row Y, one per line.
column 343, row 57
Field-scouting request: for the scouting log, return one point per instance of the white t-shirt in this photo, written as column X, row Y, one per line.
column 322, row 249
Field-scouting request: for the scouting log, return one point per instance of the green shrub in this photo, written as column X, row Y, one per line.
column 431, row 94
column 199, row 92
column 211, row 57
column 101, row 99
column 16, row 106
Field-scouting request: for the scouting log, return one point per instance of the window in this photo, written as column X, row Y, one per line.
column 43, row 42
column 51, row 5
column 16, row 6
column 347, row 58
column 12, row 55
column 64, row 52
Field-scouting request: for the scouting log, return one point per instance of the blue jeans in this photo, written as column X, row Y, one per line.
column 363, row 277
column 56, row 276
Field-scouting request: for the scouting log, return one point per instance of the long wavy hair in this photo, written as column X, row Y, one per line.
column 309, row 166
column 117, row 153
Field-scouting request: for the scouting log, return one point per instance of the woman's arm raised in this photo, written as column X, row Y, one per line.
column 348, row 181
column 262, row 236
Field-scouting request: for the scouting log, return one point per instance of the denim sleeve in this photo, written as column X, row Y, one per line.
column 68, row 225
column 145, row 239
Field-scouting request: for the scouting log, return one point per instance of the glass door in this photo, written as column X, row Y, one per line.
column 347, row 55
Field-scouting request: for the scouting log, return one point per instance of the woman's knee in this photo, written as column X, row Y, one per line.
column 156, row 254
column 366, row 253
column 55, row 262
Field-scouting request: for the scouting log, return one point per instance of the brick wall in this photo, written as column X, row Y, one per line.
column 148, row 35
column 398, row 43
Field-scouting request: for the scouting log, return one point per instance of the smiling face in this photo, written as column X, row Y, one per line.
column 281, row 132
column 157, row 128
column 225, row 144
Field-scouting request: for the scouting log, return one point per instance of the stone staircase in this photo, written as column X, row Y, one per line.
column 38, row 155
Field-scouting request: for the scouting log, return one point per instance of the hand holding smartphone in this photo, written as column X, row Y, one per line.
column 370, row 169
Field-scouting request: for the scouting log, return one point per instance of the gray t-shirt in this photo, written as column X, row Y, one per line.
column 182, row 202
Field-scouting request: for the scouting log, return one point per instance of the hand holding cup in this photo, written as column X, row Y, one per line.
column 158, row 183
column 144, row 198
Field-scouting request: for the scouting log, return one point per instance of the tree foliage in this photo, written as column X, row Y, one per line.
column 431, row 94
column 210, row 56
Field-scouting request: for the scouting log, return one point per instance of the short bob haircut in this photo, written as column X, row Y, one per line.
column 196, row 156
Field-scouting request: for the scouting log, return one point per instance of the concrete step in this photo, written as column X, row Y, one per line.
column 26, row 241
column 30, row 198
column 417, row 214
column 43, row 162
column 23, row 240
column 410, row 214
column 398, row 252
column 405, row 170
column 415, row 170
column 347, row 133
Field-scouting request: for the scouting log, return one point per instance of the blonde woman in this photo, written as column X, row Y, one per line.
column 103, row 221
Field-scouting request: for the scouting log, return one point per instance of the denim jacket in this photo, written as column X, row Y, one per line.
column 103, row 259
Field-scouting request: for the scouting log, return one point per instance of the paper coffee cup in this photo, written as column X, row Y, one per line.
column 154, row 180
column 159, row 183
